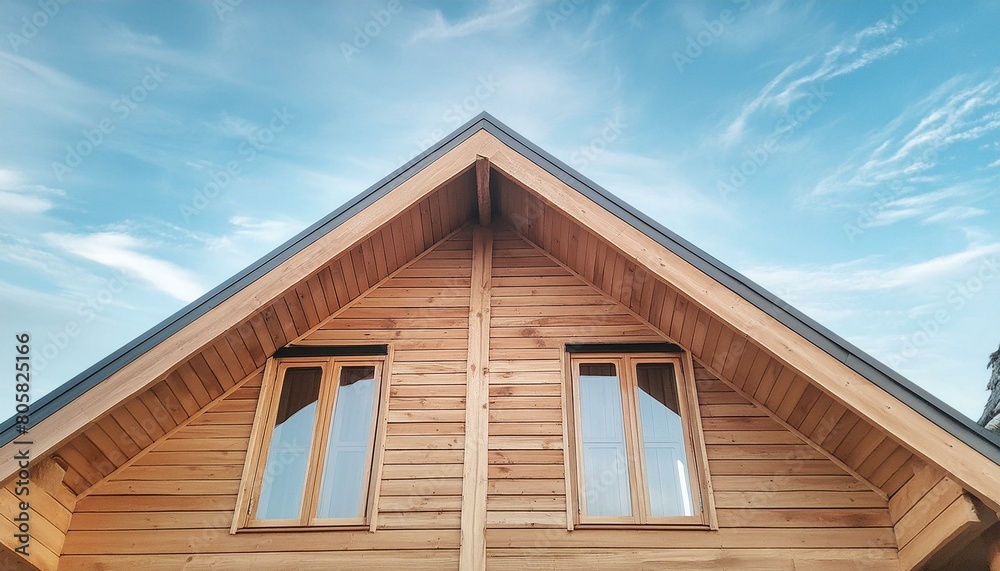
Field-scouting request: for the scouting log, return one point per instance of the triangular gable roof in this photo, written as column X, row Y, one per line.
column 927, row 405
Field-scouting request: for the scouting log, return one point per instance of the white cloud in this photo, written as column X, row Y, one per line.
column 955, row 214
column 122, row 34
column 266, row 231
column 735, row 131
column 17, row 203
column 960, row 117
column 909, row 149
column 795, row 81
column 597, row 20
column 501, row 15
column 245, row 240
column 17, row 197
column 35, row 301
column 25, row 253
column 868, row 274
column 44, row 90
column 232, row 126
column 119, row 251
column 10, row 178
column 929, row 206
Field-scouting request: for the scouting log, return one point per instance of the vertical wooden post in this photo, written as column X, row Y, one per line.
column 472, row 553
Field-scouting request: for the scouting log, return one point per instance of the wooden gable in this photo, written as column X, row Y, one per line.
column 774, row 491
column 810, row 461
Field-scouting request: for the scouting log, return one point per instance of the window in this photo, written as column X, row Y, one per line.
column 638, row 450
column 312, row 449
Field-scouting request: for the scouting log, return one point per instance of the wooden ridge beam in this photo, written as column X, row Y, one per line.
column 483, row 189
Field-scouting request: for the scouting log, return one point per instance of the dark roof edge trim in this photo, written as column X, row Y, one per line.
column 867, row 366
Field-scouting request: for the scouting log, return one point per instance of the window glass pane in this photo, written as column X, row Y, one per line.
column 663, row 441
column 288, row 455
column 348, row 450
column 605, row 471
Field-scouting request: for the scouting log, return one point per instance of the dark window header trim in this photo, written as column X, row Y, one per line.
column 332, row 351
column 623, row 348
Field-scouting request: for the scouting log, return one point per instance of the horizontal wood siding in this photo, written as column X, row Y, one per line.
column 799, row 479
column 50, row 507
column 179, row 497
column 537, row 307
column 778, row 499
column 862, row 448
column 423, row 312
column 780, row 502
column 928, row 512
column 109, row 443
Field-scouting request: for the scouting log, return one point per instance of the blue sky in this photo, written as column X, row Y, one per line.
column 844, row 155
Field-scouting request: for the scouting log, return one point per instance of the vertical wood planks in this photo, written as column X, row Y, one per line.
column 472, row 550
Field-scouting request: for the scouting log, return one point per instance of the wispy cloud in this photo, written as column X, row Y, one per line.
column 267, row 231
column 797, row 79
column 120, row 251
column 868, row 274
column 246, row 231
column 635, row 19
column 19, row 198
column 20, row 203
column 27, row 200
column 44, row 90
column 955, row 214
column 967, row 113
column 925, row 154
column 29, row 258
column 929, row 207
column 500, row 15
column 120, row 34
column 589, row 37
column 231, row 126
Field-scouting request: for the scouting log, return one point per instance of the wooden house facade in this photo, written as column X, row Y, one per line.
column 486, row 361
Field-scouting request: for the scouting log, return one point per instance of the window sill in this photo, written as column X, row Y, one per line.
column 301, row 528
column 646, row 526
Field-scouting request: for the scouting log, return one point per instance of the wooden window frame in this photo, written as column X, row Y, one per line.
column 263, row 427
column 698, row 474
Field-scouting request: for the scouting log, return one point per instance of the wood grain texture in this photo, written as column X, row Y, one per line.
column 792, row 438
column 483, row 190
column 472, row 550
column 777, row 497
